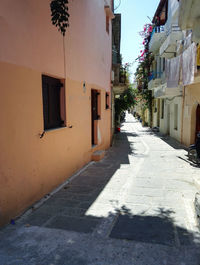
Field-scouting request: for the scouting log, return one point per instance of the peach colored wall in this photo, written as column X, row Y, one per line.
column 29, row 39
column 29, row 166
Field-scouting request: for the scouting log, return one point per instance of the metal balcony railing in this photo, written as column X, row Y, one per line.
column 171, row 28
column 154, row 75
column 158, row 29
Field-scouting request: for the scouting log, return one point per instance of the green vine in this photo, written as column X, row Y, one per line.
column 60, row 15
column 142, row 77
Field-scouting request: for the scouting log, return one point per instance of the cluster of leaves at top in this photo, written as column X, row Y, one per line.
column 60, row 15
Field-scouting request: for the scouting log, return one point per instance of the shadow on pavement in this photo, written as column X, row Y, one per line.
column 158, row 228
column 67, row 208
column 85, row 203
column 89, row 205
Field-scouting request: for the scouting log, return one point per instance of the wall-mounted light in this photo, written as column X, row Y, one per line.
column 84, row 87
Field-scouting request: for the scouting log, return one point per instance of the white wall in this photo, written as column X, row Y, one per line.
column 168, row 122
column 173, row 6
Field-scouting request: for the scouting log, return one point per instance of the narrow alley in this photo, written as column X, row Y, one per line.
column 134, row 207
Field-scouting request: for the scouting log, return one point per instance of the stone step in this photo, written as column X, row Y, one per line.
column 98, row 155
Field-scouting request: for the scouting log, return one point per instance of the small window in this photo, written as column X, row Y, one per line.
column 53, row 102
column 107, row 100
column 107, row 24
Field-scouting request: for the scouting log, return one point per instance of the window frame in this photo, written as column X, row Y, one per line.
column 54, row 103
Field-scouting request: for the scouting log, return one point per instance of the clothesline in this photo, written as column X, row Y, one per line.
column 184, row 65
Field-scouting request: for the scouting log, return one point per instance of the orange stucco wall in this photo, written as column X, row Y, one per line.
column 29, row 166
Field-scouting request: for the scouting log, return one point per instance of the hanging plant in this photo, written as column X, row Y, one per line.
column 60, row 15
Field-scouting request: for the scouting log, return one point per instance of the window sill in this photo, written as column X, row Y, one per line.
column 55, row 129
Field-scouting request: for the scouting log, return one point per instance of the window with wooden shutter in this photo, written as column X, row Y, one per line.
column 95, row 105
column 53, row 106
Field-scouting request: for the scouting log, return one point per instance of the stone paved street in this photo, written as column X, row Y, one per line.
column 134, row 207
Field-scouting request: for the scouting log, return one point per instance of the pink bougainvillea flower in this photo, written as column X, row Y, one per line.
column 149, row 30
column 141, row 51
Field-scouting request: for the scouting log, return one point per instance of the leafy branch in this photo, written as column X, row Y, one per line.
column 60, row 15
column 125, row 101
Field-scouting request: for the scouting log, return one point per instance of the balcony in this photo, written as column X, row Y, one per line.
column 157, row 38
column 158, row 83
column 168, row 48
column 155, row 80
column 163, row 91
column 120, row 82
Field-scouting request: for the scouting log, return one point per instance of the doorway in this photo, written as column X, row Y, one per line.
column 197, row 121
column 94, row 115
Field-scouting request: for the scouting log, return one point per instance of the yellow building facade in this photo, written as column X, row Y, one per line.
column 55, row 97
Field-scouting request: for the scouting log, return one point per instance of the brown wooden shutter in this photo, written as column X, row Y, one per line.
column 95, row 105
column 51, row 102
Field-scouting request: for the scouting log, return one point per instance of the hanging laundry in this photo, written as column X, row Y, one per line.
column 167, row 67
column 189, row 67
column 173, row 72
column 188, row 41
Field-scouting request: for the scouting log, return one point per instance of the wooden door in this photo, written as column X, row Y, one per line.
column 94, row 112
column 197, row 121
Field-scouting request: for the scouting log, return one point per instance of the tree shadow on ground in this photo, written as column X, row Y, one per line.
column 89, row 204
column 157, row 228
column 177, row 245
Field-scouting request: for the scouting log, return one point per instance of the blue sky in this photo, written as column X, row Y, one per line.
column 135, row 14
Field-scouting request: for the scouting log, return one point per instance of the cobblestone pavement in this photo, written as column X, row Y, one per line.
column 134, row 207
